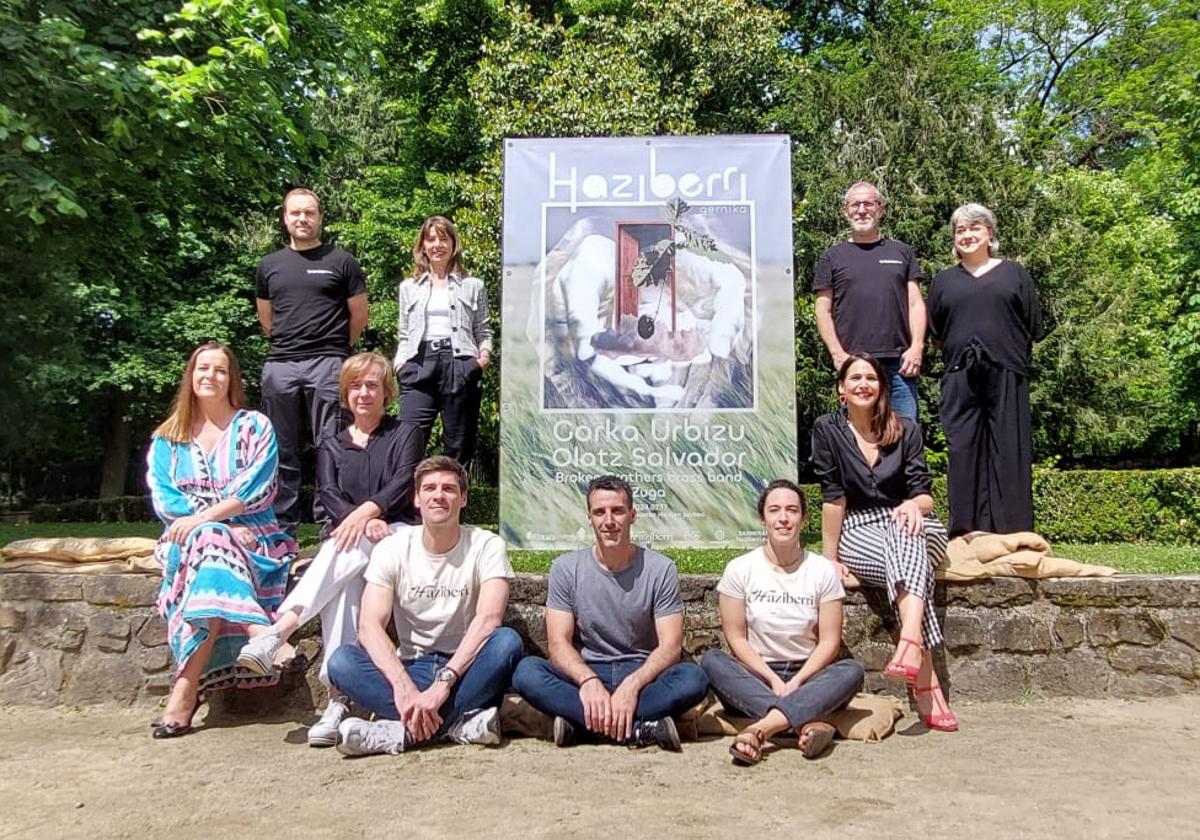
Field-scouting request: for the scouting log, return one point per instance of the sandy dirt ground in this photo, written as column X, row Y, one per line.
column 1053, row 768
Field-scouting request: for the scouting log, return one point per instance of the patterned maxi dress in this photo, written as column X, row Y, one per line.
column 213, row 576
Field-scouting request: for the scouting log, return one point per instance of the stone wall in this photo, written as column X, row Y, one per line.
column 79, row 640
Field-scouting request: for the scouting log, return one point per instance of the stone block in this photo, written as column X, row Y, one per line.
column 11, row 618
column 1124, row 626
column 153, row 631
column 27, row 586
column 1168, row 660
column 874, row 656
column 1020, row 632
column 157, row 685
column 696, row 643
column 1146, row 685
column 1124, row 591
column 99, row 677
column 61, row 626
column 992, row 678
column 121, row 590
column 695, row 617
column 695, row 587
column 153, row 660
column 963, row 630
column 528, row 589
column 1185, row 628
column 109, row 631
column 1070, row 630
column 989, row 592
column 34, row 678
column 1079, row 673
column 8, row 644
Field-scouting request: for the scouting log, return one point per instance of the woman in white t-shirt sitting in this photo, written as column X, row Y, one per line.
column 781, row 612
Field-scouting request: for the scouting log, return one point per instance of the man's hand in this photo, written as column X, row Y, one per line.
column 421, row 718
column 623, row 704
column 597, row 706
column 910, row 361
column 839, row 359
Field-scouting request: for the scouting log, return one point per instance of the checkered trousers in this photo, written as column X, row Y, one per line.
column 879, row 553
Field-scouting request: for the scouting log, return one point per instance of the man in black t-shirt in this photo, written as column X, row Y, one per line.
column 869, row 298
column 312, row 304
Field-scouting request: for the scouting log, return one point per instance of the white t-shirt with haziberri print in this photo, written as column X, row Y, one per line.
column 781, row 607
column 436, row 594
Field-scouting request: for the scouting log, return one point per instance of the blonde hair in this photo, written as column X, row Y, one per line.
column 973, row 212
column 357, row 366
column 442, row 225
column 177, row 428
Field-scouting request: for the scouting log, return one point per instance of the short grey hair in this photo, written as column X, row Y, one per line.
column 972, row 212
column 860, row 184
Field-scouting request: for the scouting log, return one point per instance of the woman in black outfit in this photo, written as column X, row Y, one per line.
column 365, row 483
column 986, row 315
column 877, row 520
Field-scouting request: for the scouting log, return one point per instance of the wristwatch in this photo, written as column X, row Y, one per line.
column 447, row 676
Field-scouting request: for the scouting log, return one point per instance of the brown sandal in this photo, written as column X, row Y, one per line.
column 820, row 736
column 747, row 747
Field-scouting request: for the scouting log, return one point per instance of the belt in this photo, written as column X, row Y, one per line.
column 437, row 344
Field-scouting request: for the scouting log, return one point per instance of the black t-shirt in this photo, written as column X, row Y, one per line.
column 997, row 311
column 870, row 294
column 308, row 291
column 899, row 474
column 381, row 472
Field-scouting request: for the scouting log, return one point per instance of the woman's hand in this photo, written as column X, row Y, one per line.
column 907, row 515
column 179, row 530
column 353, row 528
column 377, row 529
column 244, row 536
column 778, row 686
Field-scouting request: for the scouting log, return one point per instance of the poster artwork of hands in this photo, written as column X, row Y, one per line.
column 648, row 332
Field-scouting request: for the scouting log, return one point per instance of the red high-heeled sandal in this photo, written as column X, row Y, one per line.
column 942, row 721
column 897, row 670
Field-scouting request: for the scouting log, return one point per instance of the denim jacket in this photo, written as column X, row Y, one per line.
column 470, row 333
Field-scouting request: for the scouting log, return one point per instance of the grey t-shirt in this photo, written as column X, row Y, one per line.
column 614, row 613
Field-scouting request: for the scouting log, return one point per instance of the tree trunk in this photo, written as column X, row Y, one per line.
column 116, row 452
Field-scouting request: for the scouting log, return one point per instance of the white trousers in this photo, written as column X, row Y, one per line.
column 332, row 587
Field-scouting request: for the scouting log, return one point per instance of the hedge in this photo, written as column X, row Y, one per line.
column 1155, row 506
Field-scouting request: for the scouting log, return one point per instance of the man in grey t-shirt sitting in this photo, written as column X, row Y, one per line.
column 614, row 629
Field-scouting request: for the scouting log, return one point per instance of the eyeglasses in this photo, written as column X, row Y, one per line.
column 865, row 205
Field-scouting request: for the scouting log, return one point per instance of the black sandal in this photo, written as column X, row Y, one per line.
column 171, row 730
column 158, row 722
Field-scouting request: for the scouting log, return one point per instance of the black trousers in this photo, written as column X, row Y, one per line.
column 985, row 415
column 299, row 396
column 434, row 382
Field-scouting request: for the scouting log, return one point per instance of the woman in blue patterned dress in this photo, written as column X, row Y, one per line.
column 211, row 471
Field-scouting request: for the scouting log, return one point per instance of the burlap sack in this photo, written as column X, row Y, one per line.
column 78, row 549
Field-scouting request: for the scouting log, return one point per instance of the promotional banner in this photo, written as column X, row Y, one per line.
column 647, row 333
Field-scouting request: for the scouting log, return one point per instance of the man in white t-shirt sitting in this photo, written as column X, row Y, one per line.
column 614, row 629
column 446, row 586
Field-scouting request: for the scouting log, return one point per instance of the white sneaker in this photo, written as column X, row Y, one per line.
column 481, row 726
column 324, row 733
column 363, row 737
column 258, row 654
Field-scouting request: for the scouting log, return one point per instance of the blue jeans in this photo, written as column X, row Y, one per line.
column 904, row 389
column 353, row 673
column 672, row 692
column 744, row 692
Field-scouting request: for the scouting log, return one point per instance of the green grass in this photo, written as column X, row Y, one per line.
column 1125, row 557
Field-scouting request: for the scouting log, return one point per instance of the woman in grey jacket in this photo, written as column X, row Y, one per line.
column 444, row 340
